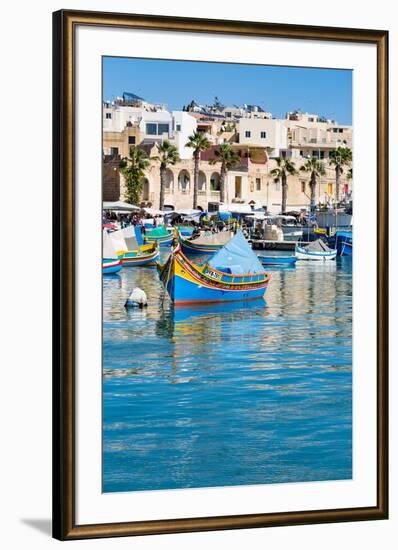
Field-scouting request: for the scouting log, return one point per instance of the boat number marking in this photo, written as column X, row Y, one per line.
column 213, row 274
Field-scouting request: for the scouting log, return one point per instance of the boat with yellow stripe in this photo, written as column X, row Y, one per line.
column 206, row 243
column 130, row 247
column 233, row 274
column 159, row 235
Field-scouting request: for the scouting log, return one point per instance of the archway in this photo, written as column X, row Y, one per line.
column 202, row 182
column 169, row 181
column 215, row 181
column 184, row 181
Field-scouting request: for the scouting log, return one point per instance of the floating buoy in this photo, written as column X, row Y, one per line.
column 137, row 299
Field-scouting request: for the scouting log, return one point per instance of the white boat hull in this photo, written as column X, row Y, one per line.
column 303, row 254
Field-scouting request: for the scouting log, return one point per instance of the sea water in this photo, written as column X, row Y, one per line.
column 218, row 395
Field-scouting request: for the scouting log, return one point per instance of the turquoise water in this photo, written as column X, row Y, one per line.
column 229, row 395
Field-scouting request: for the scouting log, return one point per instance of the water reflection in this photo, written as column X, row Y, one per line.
column 239, row 393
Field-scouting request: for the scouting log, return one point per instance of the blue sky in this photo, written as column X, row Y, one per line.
column 327, row 92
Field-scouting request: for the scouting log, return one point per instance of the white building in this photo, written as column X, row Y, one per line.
column 271, row 134
column 183, row 126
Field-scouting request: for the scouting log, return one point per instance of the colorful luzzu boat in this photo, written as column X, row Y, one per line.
column 207, row 243
column 111, row 266
column 160, row 235
column 233, row 274
column 130, row 248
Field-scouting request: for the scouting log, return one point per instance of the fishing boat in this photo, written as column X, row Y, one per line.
column 160, row 235
column 278, row 260
column 315, row 250
column 185, row 230
column 111, row 266
column 233, row 274
column 343, row 243
column 206, row 243
column 111, row 263
column 130, row 248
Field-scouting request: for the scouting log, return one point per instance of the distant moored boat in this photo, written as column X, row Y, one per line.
column 315, row 250
column 206, row 243
column 159, row 235
column 278, row 260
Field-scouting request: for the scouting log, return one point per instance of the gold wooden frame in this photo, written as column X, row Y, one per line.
column 64, row 25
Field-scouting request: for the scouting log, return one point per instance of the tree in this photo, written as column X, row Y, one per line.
column 133, row 170
column 228, row 158
column 198, row 142
column 285, row 168
column 315, row 168
column 167, row 155
column 340, row 157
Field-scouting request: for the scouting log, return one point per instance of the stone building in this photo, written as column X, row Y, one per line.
column 256, row 141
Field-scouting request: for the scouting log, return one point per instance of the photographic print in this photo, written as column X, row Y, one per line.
column 227, row 223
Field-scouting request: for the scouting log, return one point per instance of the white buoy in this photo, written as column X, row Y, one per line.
column 137, row 299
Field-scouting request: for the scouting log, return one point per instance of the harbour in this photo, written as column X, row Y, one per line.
column 221, row 394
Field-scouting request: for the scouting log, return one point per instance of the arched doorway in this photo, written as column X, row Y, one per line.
column 202, row 182
column 169, row 181
column 184, row 181
column 215, row 181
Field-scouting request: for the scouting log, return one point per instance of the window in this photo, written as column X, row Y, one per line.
column 114, row 151
column 303, row 186
column 301, row 153
column 163, row 129
column 258, row 184
column 156, row 129
column 330, row 188
column 228, row 114
column 315, row 153
column 178, row 127
column 151, row 129
column 263, row 135
column 322, row 155
column 248, row 133
column 131, row 140
column 108, row 115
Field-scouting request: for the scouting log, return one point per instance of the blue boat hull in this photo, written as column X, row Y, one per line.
column 182, row 292
column 111, row 268
column 275, row 260
column 342, row 241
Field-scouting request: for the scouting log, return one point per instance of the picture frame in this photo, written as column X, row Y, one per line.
column 65, row 106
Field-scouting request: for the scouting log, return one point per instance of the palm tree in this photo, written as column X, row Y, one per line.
column 228, row 158
column 285, row 168
column 199, row 143
column 340, row 157
column 315, row 168
column 168, row 154
column 133, row 168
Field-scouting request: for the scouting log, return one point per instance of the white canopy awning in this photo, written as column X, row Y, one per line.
column 120, row 206
column 153, row 211
column 239, row 208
